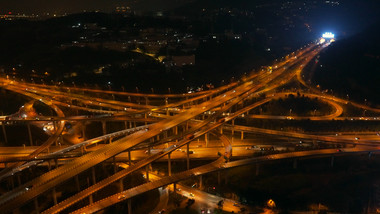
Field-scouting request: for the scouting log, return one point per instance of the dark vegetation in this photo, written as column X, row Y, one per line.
column 345, row 187
column 298, row 105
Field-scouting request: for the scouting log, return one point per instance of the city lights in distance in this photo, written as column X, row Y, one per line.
column 328, row 35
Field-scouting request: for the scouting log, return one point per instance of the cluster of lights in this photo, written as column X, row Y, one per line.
column 328, row 35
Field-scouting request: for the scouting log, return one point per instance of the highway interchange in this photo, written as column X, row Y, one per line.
column 167, row 122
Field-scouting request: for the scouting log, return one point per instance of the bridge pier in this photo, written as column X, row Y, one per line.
column 121, row 184
column 30, row 135
column 241, row 135
column 221, row 129
column 36, row 205
column 49, row 165
column 129, row 157
column 93, row 175
column 233, row 128
column 55, row 196
column 169, row 165
column 114, row 164
column 201, row 182
column 145, row 117
column 147, row 172
column 187, row 156
column 129, row 206
column 77, row 183
column 206, row 139
column 104, row 128
column 91, row 199
column 4, row 133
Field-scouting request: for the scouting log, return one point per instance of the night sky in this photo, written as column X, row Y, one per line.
column 72, row 6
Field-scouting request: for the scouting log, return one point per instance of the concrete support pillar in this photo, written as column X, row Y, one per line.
column 55, row 196
column 257, row 169
column 104, row 128
column 49, row 165
column 129, row 206
column 175, row 188
column 176, row 130
column 36, row 205
column 146, row 116
column 200, row 182
column 242, row 135
column 125, row 124
column 114, row 164
column 233, row 127
column 295, row 164
column 187, row 156
column 130, row 124
column 169, row 165
column 187, row 125
column 332, row 161
column 77, row 183
column 129, row 157
column 221, row 129
column 56, row 163
column 165, row 134
column 30, row 135
column 121, row 185
column 91, row 199
column 4, row 133
column 147, row 172
column 206, row 139
column 93, row 175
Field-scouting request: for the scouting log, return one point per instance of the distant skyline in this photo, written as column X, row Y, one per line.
column 73, row 6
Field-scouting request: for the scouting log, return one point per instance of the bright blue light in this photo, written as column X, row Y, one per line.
column 328, row 35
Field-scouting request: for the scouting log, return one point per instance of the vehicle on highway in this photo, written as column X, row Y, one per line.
column 221, row 120
column 162, row 211
column 357, row 138
column 191, row 194
column 121, row 197
column 267, row 148
column 190, row 136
